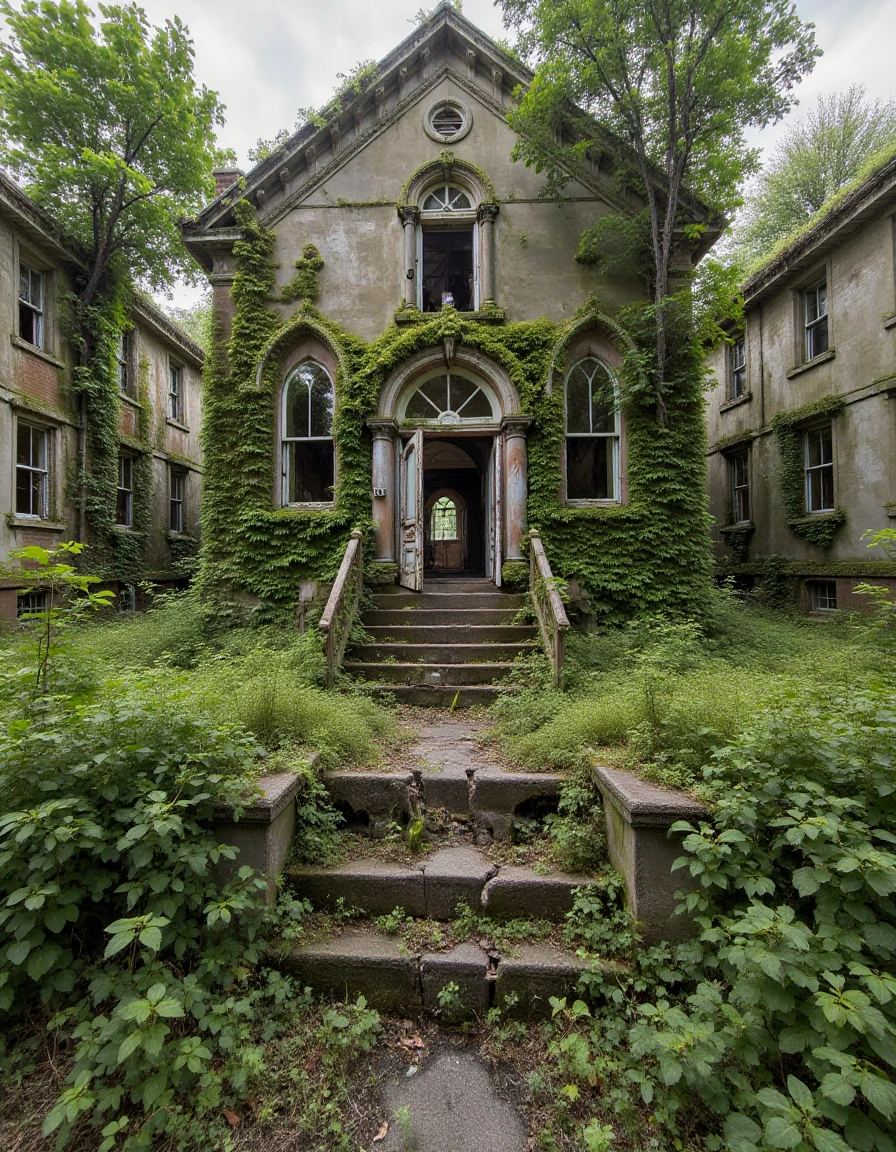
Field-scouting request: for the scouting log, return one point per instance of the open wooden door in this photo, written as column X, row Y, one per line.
column 410, row 564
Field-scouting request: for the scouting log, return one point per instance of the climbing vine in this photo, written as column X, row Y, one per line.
column 650, row 553
column 817, row 528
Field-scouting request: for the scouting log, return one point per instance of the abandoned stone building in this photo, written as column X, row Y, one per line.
column 156, row 518
column 802, row 422
column 408, row 342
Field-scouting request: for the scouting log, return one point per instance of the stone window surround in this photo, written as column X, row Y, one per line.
column 595, row 344
column 38, row 421
column 442, row 102
column 805, row 430
column 738, row 450
column 307, row 347
column 25, row 254
column 820, row 272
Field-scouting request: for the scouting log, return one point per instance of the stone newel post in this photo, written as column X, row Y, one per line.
column 384, row 480
column 515, row 466
column 486, row 216
column 409, row 218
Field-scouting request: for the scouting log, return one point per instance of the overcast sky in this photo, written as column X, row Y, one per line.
column 272, row 57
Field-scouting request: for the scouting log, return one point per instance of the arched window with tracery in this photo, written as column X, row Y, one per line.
column 443, row 519
column 593, row 432
column 307, row 449
column 448, row 254
column 448, row 397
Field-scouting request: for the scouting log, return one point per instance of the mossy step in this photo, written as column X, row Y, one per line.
column 365, row 963
column 441, row 653
column 432, row 616
column 450, row 696
column 453, row 675
column 494, row 599
column 453, row 633
column 435, row 887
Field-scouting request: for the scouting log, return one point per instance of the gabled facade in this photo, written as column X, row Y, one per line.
column 802, row 422
column 408, row 343
column 159, row 411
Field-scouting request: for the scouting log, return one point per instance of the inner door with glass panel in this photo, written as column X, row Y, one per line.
column 411, row 514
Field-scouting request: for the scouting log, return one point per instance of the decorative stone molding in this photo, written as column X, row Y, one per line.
column 264, row 831
column 638, row 816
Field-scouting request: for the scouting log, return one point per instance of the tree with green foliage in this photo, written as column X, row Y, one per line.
column 817, row 156
column 673, row 86
column 109, row 131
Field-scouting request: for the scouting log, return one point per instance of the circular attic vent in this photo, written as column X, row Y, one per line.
column 447, row 120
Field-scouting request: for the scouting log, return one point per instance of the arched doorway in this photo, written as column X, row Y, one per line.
column 446, row 541
column 449, row 420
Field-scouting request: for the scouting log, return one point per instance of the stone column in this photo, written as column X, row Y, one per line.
column 409, row 218
column 515, row 488
column 486, row 217
column 383, row 479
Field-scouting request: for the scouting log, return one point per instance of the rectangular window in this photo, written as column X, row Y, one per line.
column 815, row 320
column 177, row 490
column 819, row 465
column 739, row 477
column 448, row 278
column 124, row 364
column 31, row 305
column 175, row 398
column 738, row 368
column 34, row 601
column 124, row 508
column 127, row 598
column 823, row 596
column 32, row 471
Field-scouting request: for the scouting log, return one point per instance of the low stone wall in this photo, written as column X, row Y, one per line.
column 264, row 831
column 638, row 817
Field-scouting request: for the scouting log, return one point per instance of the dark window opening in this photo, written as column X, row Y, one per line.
column 448, row 269
column 310, row 475
column 590, row 471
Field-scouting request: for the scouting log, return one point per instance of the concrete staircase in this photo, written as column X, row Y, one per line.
column 480, row 803
column 456, row 638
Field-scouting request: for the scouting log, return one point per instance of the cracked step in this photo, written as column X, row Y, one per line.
column 428, row 696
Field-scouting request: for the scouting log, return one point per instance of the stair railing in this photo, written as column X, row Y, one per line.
column 553, row 623
column 342, row 605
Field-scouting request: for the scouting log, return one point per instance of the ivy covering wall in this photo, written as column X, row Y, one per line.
column 650, row 554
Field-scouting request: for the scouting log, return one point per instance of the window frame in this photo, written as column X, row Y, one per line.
column 735, row 490
column 437, row 504
column 738, row 387
column 127, row 594
column 123, row 357
column 38, row 595
column 616, row 436
column 40, row 312
column 814, row 589
column 125, row 489
column 46, row 471
column 810, row 471
column 286, row 441
column 448, row 220
column 176, row 405
column 177, row 476
column 810, row 327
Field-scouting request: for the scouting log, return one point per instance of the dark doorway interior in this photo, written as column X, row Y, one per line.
column 455, row 466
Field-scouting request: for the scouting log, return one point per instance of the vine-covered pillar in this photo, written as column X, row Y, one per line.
column 515, row 483
column 486, row 217
column 383, row 432
column 410, row 217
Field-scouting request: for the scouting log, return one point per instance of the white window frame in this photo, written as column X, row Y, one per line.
column 813, row 470
column 615, row 436
column 176, row 501
column 286, row 441
column 44, row 472
column 818, row 592
column 126, row 489
column 810, row 327
column 734, row 489
column 738, row 362
column 39, row 311
column 125, row 384
column 127, row 599
column 175, row 393
column 464, row 217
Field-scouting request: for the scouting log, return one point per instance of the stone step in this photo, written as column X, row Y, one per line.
column 430, row 617
column 447, row 696
column 365, row 963
column 453, row 633
column 457, row 584
column 441, row 653
column 436, row 886
column 401, row 598
column 448, row 674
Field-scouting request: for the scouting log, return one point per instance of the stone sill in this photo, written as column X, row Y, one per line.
column 736, row 402
column 127, row 530
column 18, row 342
column 890, row 321
column 126, row 399
column 643, row 804
column 813, row 363
column 176, row 424
column 483, row 316
column 34, row 522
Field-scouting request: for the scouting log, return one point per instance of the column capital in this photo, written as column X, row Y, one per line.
column 383, row 428
column 486, row 213
column 410, row 214
column 517, row 425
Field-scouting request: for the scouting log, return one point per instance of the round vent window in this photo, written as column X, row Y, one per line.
column 447, row 120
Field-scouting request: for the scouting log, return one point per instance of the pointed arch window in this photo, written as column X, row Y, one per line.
column 308, row 462
column 593, row 432
column 443, row 521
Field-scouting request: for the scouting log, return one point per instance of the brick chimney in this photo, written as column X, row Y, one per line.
column 225, row 178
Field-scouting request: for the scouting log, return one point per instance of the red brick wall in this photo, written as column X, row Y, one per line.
column 37, row 378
